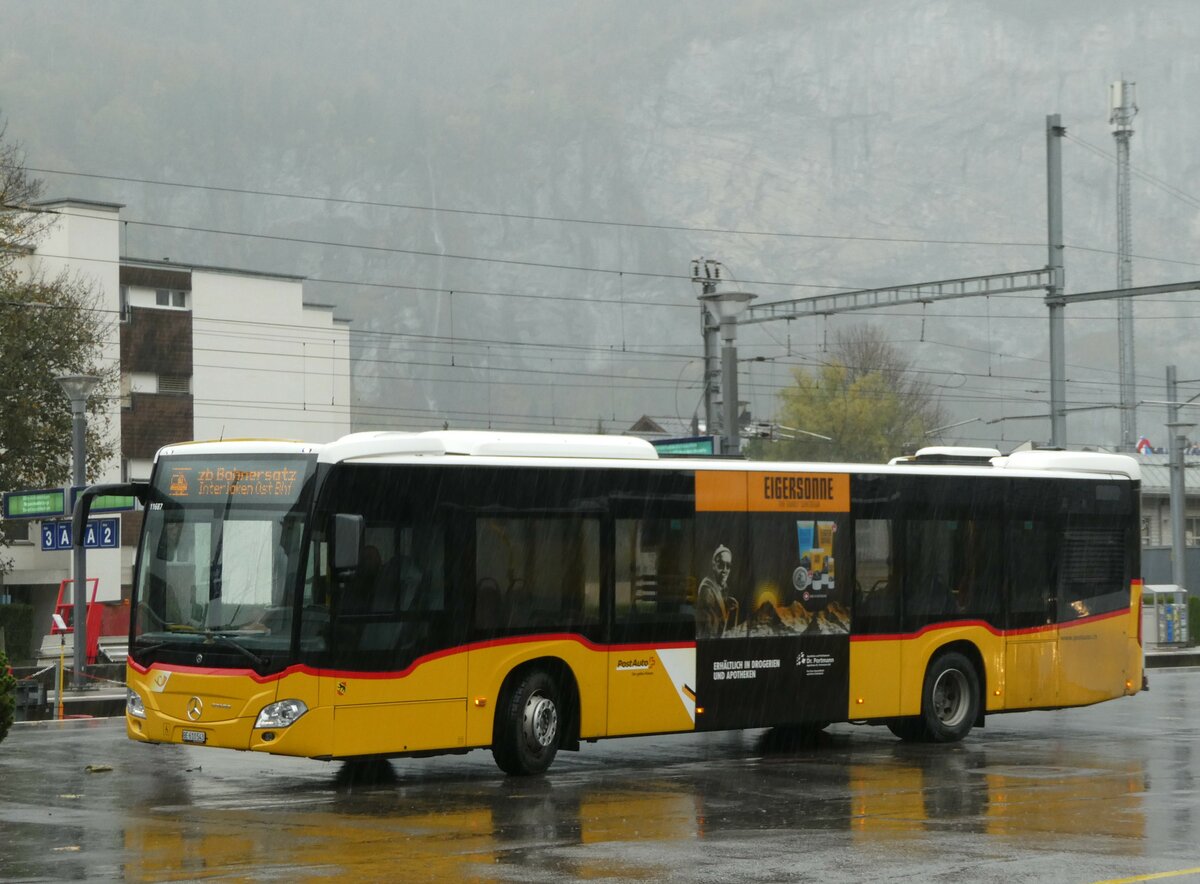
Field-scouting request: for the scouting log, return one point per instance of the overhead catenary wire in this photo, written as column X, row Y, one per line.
column 519, row 216
column 618, row 270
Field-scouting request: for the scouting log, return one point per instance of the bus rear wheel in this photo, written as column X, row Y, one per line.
column 529, row 725
column 949, row 703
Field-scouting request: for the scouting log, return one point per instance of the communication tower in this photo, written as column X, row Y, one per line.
column 1122, row 101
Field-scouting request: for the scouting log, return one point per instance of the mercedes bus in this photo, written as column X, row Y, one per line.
column 404, row 594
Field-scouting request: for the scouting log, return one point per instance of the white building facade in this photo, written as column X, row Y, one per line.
column 204, row 353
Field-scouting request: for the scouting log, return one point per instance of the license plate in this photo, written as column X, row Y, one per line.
column 194, row 736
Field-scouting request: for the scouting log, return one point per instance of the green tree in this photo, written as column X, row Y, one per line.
column 49, row 326
column 866, row 398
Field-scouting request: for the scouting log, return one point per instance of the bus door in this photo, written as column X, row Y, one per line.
column 393, row 678
column 876, row 655
column 1031, row 652
column 652, row 658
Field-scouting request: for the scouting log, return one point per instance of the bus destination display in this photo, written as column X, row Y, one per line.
column 257, row 480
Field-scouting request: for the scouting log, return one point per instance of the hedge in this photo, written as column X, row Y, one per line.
column 17, row 623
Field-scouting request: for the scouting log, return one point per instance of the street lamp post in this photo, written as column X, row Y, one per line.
column 78, row 388
column 729, row 306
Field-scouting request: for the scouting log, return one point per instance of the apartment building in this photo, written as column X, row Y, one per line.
column 204, row 352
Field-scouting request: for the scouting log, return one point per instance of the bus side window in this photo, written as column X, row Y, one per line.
column 653, row 580
column 535, row 573
column 1027, row 561
column 877, row 584
column 979, row 567
column 1092, row 571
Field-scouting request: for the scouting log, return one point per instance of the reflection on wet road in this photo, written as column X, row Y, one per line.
column 1085, row 795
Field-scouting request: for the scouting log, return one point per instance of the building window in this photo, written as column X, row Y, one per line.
column 16, row 531
column 170, row 298
column 124, row 303
column 174, row 383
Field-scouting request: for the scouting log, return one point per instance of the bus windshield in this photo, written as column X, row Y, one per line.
column 218, row 560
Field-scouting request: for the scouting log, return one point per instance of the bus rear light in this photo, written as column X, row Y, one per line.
column 281, row 714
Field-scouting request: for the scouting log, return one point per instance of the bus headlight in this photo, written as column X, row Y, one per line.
column 133, row 704
column 281, row 714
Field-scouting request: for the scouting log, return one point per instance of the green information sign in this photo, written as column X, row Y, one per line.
column 46, row 503
column 694, row 445
column 106, row 503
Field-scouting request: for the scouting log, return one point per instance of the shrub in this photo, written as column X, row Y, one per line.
column 16, row 621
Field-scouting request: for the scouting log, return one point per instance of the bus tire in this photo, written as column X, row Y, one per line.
column 949, row 703
column 529, row 725
column 950, row 700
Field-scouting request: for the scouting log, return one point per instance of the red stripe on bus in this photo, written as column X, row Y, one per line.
column 1003, row 633
column 300, row 668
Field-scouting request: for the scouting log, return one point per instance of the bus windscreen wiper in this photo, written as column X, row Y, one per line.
column 229, row 642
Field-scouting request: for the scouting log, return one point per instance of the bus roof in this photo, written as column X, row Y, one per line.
column 390, row 445
column 480, row 443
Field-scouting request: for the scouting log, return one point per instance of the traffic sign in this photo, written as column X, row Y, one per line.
column 38, row 504
column 99, row 534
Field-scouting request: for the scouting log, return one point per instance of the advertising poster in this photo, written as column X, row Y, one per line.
column 772, row 621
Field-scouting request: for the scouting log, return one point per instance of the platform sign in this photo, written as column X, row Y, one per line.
column 99, row 534
column 688, row 446
column 105, row 503
column 41, row 504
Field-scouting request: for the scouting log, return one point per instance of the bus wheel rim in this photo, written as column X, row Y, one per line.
column 540, row 721
column 950, row 698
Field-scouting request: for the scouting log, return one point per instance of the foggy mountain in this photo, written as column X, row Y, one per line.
column 580, row 155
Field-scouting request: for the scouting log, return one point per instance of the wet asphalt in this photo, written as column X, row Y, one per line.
column 1085, row 795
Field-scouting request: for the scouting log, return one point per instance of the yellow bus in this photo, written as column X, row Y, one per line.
column 401, row 594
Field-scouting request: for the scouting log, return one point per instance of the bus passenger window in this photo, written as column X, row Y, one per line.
column 876, row 584
column 1092, row 573
column 653, row 578
column 1027, row 569
column 537, row 574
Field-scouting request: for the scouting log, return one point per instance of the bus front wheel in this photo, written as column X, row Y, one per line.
column 949, row 703
column 529, row 726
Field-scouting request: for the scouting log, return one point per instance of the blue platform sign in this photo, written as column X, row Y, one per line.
column 99, row 534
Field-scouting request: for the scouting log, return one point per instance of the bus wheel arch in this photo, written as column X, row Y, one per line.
column 952, row 697
column 537, row 714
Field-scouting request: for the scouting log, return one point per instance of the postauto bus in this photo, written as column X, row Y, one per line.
column 398, row 594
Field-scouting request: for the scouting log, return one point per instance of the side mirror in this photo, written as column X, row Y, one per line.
column 83, row 503
column 347, row 544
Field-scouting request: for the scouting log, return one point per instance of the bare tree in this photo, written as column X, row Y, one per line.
column 866, row 398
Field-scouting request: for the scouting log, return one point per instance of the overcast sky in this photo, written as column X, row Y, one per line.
column 557, row 166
